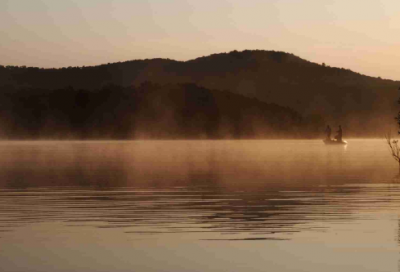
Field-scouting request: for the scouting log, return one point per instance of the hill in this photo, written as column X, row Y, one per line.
column 150, row 111
column 365, row 106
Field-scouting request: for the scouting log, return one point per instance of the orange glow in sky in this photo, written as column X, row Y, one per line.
column 361, row 35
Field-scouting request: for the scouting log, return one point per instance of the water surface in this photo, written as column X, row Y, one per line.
column 198, row 206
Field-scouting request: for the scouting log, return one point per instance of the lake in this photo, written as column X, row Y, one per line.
column 273, row 205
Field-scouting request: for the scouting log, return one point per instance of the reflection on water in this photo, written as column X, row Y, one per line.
column 289, row 193
column 235, row 215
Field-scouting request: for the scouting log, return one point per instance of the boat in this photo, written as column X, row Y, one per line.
column 334, row 142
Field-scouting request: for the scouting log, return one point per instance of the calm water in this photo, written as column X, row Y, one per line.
column 199, row 206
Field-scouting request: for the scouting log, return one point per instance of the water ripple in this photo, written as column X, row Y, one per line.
column 183, row 210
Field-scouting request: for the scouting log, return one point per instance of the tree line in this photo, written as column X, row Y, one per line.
column 148, row 111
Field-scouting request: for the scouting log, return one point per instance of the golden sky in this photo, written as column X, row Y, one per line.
column 361, row 35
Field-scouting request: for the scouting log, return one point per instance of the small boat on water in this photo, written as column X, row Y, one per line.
column 334, row 142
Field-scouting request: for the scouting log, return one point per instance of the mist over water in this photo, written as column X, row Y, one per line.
column 198, row 205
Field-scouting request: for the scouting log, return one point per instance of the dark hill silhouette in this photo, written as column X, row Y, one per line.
column 149, row 111
column 360, row 103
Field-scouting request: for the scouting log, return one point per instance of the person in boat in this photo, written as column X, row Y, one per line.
column 338, row 137
column 328, row 132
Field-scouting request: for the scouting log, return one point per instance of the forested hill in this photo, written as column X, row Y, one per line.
column 149, row 111
column 363, row 105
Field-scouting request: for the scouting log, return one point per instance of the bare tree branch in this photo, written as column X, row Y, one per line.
column 394, row 147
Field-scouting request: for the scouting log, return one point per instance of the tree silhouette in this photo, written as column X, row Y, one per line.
column 172, row 111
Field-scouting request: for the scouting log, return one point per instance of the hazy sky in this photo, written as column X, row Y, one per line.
column 362, row 35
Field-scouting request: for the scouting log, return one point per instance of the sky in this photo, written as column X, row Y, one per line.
column 361, row 35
